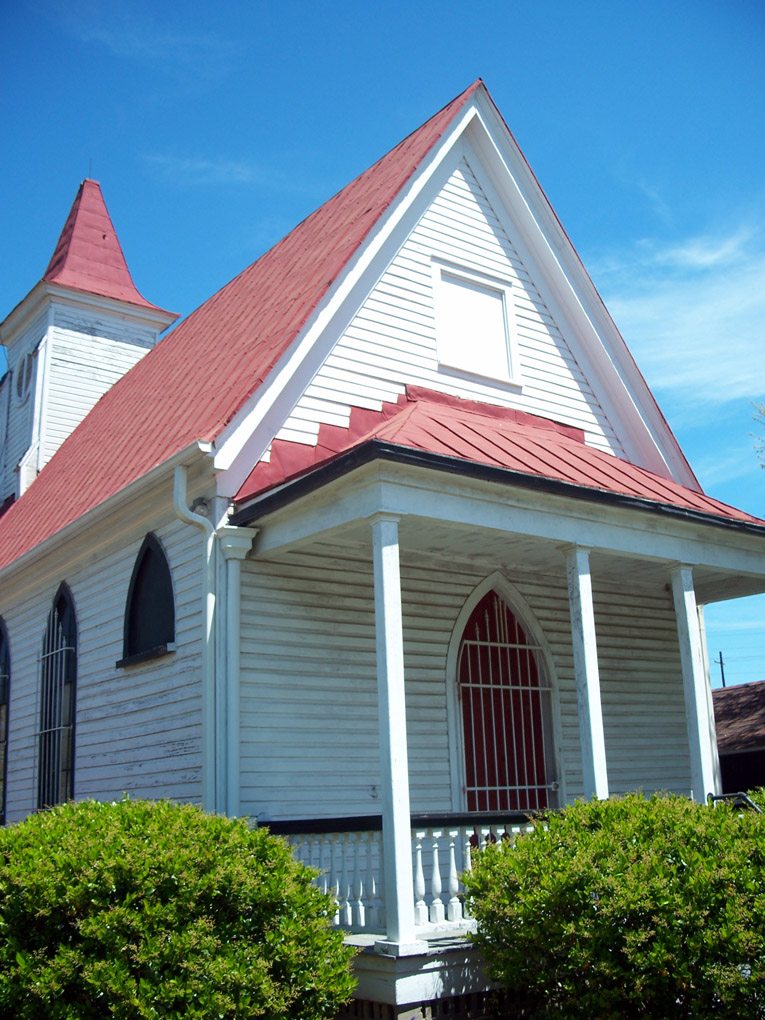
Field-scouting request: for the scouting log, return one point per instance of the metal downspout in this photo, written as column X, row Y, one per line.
column 208, row 643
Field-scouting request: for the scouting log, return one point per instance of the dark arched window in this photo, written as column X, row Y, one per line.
column 5, row 693
column 150, row 610
column 506, row 713
column 58, row 688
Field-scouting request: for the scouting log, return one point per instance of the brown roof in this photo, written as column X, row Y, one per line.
column 740, row 717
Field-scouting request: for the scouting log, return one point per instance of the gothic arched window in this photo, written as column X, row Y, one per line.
column 150, row 609
column 506, row 712
column 58, row 688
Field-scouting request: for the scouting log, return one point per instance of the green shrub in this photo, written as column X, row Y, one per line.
column 150, row 910
column 628, row 908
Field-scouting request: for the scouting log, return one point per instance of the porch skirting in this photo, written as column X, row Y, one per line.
column 474, row 1006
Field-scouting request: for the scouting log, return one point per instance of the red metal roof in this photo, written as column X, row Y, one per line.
column 191, row 384
column 88, row 256
column 740, row 717
column 483, row 434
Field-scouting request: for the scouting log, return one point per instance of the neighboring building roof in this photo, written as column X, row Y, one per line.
column 88, row 256
column 447, row 426
column 191, row 384
column 740, row 717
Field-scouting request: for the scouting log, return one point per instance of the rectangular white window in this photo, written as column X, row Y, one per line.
column 474, row 324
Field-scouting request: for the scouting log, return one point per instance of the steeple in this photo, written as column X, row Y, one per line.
column 79, row 330
column 88, row 256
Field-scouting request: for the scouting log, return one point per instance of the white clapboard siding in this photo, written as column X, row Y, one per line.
column 641, row 691
column 391, row 341
column 309, row 689
column 17, row 427
column 138, row 729
column 88, row 355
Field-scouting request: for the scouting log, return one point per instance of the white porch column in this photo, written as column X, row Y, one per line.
column 235, row 543
column 594, row 770
column 394, row 766
column 701, row 732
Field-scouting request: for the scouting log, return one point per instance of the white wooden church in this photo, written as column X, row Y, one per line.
column 385, row 544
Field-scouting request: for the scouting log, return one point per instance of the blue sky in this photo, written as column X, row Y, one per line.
column 215, row 127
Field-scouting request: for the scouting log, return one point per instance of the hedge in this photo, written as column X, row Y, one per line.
column 627, row 908
column 154, row 910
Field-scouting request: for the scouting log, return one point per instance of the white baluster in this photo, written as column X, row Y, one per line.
column 467, row 859
column 356, row 844
column 371, row 920
column 296, row 845
column 454, row 908
column 382, row 911
column 485, row 837
column 321, row 863
column 334, row 877
column 436, row 904
column 420, row 907
column 346, row 917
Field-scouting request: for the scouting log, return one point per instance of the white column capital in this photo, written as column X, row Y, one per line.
column 383, row 516
column 235, row 542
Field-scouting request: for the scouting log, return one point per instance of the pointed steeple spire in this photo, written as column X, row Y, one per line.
column 88, row 256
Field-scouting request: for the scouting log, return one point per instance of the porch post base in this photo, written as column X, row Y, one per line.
column 387, row 948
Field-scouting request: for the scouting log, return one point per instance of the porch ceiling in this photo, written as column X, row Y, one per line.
column 499, row 527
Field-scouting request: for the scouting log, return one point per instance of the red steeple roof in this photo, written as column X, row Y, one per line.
column 88, row 256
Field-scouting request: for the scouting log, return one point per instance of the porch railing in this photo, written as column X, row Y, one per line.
column 347, row 853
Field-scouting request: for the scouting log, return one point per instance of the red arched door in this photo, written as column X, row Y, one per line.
column 506, row 713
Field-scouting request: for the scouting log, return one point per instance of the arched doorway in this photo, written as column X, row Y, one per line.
column 506, row 709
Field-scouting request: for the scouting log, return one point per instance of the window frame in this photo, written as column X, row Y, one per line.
column 440, row 269
column 53, row 767
column 131, row 654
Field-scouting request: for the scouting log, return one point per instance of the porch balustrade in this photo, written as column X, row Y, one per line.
column 348, row 856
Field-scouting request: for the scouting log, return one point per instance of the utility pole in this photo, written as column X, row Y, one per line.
column 721, row 664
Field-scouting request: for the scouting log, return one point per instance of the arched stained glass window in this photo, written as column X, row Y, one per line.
column 150, row 609
column 58, row 688
column 5, row 693
column 506, row 713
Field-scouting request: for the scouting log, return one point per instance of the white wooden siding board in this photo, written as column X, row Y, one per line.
column 306, row 435
column 145, row 714
column 407, row 284
column 319, row 725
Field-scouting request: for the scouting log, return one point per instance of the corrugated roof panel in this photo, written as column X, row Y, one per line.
column 447, row 426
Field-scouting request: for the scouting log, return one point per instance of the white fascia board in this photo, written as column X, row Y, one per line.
column 157, row 318
column 417, row 492
column 573, row 299
column 247, row 437
column 27, row 308
column 28, row 562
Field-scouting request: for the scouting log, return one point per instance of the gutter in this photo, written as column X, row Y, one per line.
column 221, row 716
column 103, row 509
column 377, row 449
column 208, row 637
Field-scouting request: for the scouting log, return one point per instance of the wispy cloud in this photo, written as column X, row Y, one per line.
column 693, row 313
column 193, row 171
column 132, row 34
